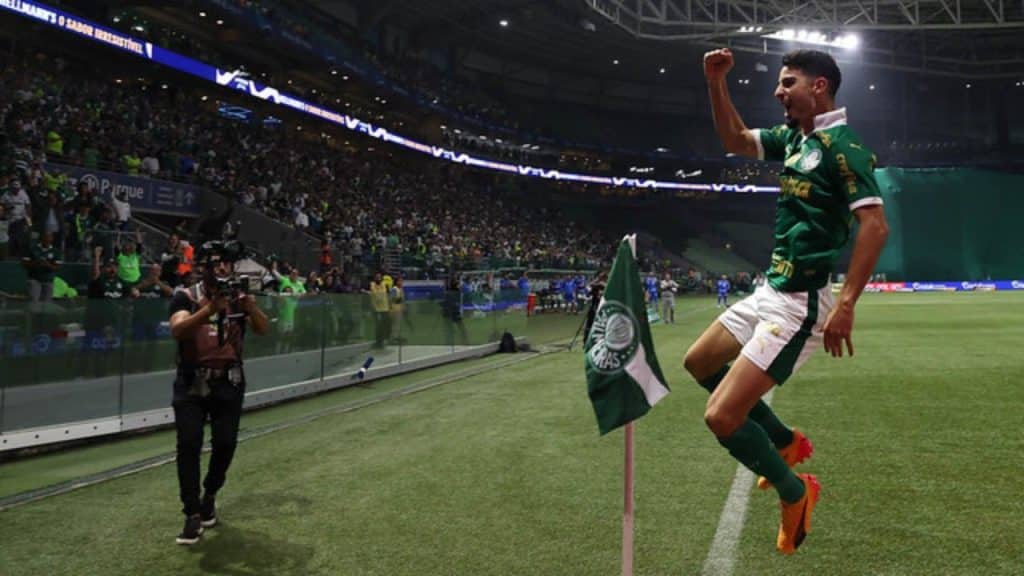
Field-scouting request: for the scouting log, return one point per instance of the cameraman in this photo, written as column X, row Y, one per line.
column 596, row 290
column 209, row 321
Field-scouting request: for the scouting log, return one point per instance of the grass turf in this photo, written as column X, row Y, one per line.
column 918, row 449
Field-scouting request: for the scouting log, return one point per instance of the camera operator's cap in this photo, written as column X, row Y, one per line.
column 208, row 252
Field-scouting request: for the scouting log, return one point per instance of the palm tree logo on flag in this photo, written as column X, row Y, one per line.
column 613, row 340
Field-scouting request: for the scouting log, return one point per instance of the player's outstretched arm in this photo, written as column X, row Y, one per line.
column 867, row 247
column 735, row 136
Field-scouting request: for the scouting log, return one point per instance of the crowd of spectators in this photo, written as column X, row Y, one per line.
column 417, row 75
column 362, row 204
column 464, row 99
column 457, row 95
column 360, row 200
column 757, row 173
column 420, row 79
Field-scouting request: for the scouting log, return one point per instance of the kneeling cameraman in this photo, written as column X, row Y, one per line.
column 209, row 321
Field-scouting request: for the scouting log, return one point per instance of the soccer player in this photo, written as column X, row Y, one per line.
column 723, row 292
column 651, row 282
column 569, row 294
column 827, row 180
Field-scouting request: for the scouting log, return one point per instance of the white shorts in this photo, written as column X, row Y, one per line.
column 779, row 330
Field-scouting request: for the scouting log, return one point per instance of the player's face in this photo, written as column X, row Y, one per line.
column 795, row 92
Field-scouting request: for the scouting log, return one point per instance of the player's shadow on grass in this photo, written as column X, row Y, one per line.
column 230, row 549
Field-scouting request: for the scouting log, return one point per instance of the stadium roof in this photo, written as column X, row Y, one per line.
column 962, row 38
column 543, row 33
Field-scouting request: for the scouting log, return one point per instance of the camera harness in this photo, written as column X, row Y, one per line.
column 232, row 371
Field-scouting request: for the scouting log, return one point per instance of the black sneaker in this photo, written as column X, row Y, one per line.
column 208, row 512
column 191, row 532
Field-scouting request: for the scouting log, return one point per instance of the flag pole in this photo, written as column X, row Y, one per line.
column 627, row 515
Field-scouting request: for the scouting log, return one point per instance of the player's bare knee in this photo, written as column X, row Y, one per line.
column 721, row 423
column 693, row 362
column 699, row 364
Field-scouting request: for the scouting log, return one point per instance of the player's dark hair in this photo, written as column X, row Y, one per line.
column 815, row 63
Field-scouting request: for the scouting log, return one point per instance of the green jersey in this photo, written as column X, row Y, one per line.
column 286, row 316
column 129, row 267
column 107, row 287
column 297, row 286
column 825, row 177
column 41, row 255
column 62, row 290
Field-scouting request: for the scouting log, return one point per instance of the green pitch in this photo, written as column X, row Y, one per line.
column 919, row 442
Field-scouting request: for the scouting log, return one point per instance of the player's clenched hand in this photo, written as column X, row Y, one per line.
column 837, row 330
column 717, row 63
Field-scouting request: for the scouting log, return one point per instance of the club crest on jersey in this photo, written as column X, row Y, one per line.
column 614, row 338
column 810, row 160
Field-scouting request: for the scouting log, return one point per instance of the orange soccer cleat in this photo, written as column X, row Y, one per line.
column 796, row 517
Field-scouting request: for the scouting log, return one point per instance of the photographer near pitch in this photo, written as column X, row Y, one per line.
column 596, row 292
column 209, row 322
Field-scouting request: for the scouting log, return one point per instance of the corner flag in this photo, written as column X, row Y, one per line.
column 623, row 376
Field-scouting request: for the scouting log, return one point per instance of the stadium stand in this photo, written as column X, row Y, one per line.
column 752, row 241
column 716, row 258
column 361, row 201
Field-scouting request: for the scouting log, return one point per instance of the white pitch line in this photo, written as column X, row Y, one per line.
column 722, row 556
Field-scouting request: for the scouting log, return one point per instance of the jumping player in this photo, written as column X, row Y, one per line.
column 827, row 180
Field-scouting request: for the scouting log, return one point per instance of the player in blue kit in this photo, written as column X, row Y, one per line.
column 723, row 292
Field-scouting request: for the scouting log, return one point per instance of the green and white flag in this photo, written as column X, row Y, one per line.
column 623, row 376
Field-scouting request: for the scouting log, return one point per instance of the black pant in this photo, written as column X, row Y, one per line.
column 19, row 238
column 591, row 314
column 224, row 407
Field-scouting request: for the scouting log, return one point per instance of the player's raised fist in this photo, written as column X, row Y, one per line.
column 717, row 63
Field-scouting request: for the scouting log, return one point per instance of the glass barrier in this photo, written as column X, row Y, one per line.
column 72, row 360
column 291, row 351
